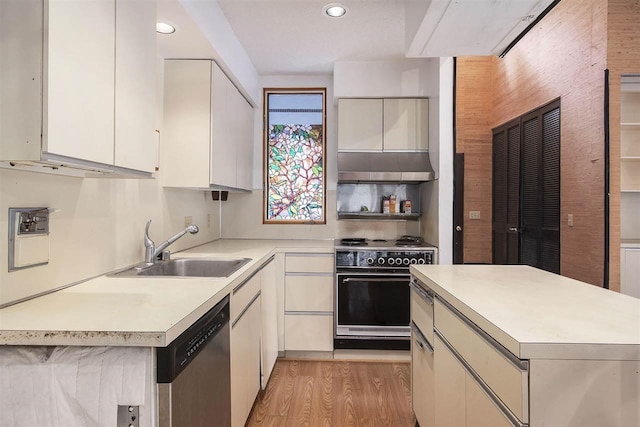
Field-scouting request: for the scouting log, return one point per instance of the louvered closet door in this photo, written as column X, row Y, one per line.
column 540, row 231
column 506, row 193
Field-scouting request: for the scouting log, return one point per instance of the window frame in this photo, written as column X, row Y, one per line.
column 265, row 142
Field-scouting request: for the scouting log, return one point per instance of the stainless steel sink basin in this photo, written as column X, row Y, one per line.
column 188, row 267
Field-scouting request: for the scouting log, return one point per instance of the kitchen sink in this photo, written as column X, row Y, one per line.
column 187, row 267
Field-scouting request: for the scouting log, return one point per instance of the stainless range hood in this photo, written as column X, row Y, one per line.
column 384, row 167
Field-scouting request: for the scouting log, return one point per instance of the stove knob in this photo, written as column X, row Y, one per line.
column 399, row 261
column 381, row 261
column 392, row 261
column 421, row 261
column 370, row 261
column 414, row 261
column 405, row 261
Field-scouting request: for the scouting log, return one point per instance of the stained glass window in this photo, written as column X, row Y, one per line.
column 294, row 156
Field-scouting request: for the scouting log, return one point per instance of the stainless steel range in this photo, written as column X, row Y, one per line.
column 372, row 291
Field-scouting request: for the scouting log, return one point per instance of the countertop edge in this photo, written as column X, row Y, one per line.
column 266, row 249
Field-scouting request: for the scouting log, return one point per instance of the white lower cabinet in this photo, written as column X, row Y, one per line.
column 308, row 302
column 269, row 306
column 422, row 378
column 449, row 384
column 245, row 349
column 308, row 331
column 480, row 409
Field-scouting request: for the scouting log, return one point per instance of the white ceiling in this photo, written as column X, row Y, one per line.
column 294, row 36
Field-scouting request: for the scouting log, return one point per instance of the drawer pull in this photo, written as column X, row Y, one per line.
column 245, row 309
column 421, row 340
column 515, row 422
column 424, row 295
column 522, row 365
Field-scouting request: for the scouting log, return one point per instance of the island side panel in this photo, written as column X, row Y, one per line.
column 584, row 393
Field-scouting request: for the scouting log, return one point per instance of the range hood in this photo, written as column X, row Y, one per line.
column 384, row 167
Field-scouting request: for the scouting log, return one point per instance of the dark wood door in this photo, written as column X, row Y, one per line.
column 540, row 243
column 506, row 193
column 526, row 190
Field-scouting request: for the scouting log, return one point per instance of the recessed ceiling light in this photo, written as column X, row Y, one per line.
column 335, row 10
column 163, row 28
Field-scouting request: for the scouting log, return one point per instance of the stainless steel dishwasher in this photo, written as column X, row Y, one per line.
column 193, row 374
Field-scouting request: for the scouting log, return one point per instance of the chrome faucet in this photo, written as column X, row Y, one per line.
column 151, row 252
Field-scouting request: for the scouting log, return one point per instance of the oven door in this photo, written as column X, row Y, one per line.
column 372, row 305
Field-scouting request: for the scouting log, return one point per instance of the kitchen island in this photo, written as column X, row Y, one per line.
column 518, row 346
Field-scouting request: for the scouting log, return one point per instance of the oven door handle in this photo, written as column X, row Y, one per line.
column 375, row 279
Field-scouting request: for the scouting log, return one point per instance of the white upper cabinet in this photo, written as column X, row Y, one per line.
column 79, row 80
column 406, row 124
column 360, row 124
column 208, row 128
column 390, row 124
column 135, row 101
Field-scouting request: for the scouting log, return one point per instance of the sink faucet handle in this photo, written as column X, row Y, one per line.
column 149, row 246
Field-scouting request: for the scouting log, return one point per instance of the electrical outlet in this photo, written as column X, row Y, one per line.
column 188, row 220
column 208, row 220
column 570, row 220
column 474, row 214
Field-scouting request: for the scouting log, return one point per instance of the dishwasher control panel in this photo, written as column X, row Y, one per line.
column 176, row 356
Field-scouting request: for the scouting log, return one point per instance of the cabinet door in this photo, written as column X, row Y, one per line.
column 422, row 391
column 225, row 129
column 630, row 263
column 245, row 363
column 79, row 81
column 449, row 383
column 186, row 123
column 135, row 88
column 244, row 155
column 481, row 411
column 308, row 331
column 269, row 305
column 308, row 293
column 360, row 125
column 406, row 124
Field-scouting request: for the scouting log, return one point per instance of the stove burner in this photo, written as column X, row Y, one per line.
column 353, row 242
column 409, row 241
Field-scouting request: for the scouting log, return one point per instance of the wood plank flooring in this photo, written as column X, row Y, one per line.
column 335, row 394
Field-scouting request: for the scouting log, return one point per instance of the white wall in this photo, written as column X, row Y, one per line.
column 242, row 213
column 99, row 223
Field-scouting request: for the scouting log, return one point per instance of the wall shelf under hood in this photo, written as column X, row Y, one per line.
column 379, row 215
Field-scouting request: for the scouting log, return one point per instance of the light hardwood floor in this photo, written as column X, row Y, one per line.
column 335, row 394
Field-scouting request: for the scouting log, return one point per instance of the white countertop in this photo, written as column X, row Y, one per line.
column 137, row 311
column 540, row 315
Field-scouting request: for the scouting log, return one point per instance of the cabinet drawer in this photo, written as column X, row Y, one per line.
column 501, row 371
column 309, row 263
column 308, row 332
column 422, row 310
column 308, row 293
column 422, row 390
column 243, row 294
